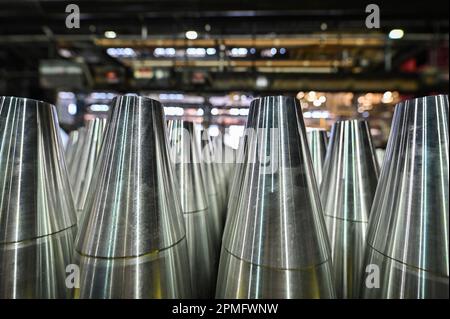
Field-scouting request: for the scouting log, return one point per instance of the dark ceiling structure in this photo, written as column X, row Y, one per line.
column 275, row 46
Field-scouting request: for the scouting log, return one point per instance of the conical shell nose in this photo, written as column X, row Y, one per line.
column 278, row 230
column 85, row 159
column 317, row 141
column 37, row 215
column 133, row 225
column 408, row 227
column 347, row 191
column 198, row 219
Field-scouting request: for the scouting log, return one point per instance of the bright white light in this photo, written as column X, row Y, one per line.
column 171, row 96
column 210, row 51
column 99, row 108
column 396, row 34
column 311, row 96
column 66, row 95
column 191, row 35
column 214, row 111
column 173, row 111
column 262, row 82
column 121, row 52
column 110, row 34
column 102, row 96
column 234, row 111
column 317, row 103
column 179, row 111
column 65, row 53
column 197, row 52
column 164, row 52
column 243, row 112
column 200, row 112
column 273, row 51
column 72, row 109
column 316, row 114
column 387, row 97
column 213, row 130
column 238, row 52
column 322, row 99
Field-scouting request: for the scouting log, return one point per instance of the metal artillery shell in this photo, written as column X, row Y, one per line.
column 408, row 227
column 194, row 203
column 132, row 241
column 347, row 190
column 37, row 214
column 85, row 160
column 275, row 244
column 317, row 141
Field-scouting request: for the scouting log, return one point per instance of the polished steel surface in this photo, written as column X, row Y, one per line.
column 218, row 149
column 380, row 155
column 199, row 221
column 37, row 214
column 408, row 226
column 317, row 141
column 348, row 187
column 237, row 180
column 72, row 154
column 212, row 177
column 71, row 145
column 132, row 241
column 275, row 244
column 85, row 159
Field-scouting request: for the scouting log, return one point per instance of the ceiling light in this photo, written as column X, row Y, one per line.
column 262, row 82
column 396, row 34
column 110, row 34
column 210, row 51
column 72, row 109
column 191, row 35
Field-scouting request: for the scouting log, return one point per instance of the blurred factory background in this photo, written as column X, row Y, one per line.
column 206, row 60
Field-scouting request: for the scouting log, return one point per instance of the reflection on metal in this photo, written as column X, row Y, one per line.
column 132, row 241
column 349, row 182
column 198, row 219
column 213, row 179
column 275, row 244
column 317, row 141
column 73, row 149
column 408, row 227
column 71, row 145
column 379, row 152
column 37, row 214
column 85, row 160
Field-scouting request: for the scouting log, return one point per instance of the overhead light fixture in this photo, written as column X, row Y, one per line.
column 99, row 107
column 396, row 34
column 210, row 51
column 65, row 53
column 317, row 103
column 72, row 108
column 191, row 35
column 110, row 34
column 262, row 82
